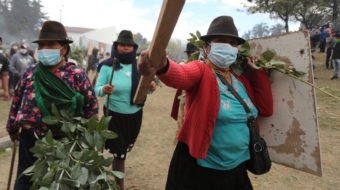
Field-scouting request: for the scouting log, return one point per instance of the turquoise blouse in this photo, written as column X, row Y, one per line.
column 230, row 139
column 121, row 96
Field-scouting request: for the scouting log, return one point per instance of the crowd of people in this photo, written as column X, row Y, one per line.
column 13, row 63
column 212, row 145
column 327, row 39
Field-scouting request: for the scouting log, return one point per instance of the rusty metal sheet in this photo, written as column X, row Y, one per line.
column 292, row 132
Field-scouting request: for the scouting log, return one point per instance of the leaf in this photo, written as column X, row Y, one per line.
column 85, row 174
column 268, row 55
column 193, row 36
column 198, row 34
column 50, row 120
column 278, row 64
column 107, row 162
column 89, row 139
column 104, row 122
column 74, row 183
column 92, row 123
column 237, row 69
column 107, row 134
column 49, row 138
column 98, row 140
column 55, row 111
column 65, row 114
column 118, row 174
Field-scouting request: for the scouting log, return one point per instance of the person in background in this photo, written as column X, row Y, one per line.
column 126, row 116
column 93, row 59
column 52, row 81
column 4, row 67
column 178, row 107
column 19, row 63
column 213, row 143
column 330, row 46
column 336, row 57
column 322, row 39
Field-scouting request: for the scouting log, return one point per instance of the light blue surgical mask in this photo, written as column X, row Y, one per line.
column 222, row 54
column 49, row 57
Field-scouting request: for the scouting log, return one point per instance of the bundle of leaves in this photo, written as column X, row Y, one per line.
column 264, row 61
column 72, row 160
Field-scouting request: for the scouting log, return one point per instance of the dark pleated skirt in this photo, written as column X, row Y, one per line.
column 185, row 174
column 127, row 127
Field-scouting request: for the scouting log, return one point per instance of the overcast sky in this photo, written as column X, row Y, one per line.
column 141, row 15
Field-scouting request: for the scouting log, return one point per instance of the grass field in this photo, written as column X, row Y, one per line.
column 148, row 162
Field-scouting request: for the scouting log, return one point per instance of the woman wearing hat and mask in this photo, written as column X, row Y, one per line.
column 126, row 116
column 213, row 143
column 52, row 80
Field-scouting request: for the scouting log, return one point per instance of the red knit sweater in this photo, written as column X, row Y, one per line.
column 202, row 100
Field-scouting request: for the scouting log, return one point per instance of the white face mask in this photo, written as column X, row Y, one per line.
column 222, row 54
column 23, row 51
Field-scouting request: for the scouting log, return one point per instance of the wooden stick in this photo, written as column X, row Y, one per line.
column 110, row 83
column 167, row 19
column 12, row 165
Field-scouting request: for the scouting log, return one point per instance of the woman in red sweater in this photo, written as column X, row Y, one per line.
column 213, row 143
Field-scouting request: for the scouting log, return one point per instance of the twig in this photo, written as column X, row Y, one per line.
column 110, row 82
column 298, row 78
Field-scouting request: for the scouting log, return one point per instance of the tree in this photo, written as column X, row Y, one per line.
column 142, row 42
column 282, row 9
column 247, row 35
column 277, row 29
column 20, row 19
column 175, row 49
column 312, row 13
column 260, row 30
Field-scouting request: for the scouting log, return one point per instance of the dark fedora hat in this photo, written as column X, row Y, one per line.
column 53, row 30
column 191, row 48
column 125, row 37
column 222, row 26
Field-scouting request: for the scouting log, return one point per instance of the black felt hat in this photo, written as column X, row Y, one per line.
column 53, row 30
column 125, row 37
column 222, row 26
column 191, row 48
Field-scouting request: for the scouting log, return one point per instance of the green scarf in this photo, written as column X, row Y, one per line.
column 49, row 89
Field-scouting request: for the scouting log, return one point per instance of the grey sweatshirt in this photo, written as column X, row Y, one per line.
column 19, row 63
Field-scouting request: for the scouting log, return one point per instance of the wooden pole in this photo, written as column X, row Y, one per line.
column 110, row 83
column 167, row 20
column 12, row 165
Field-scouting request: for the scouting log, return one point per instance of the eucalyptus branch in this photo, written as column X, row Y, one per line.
column 60, row 177
column 298, row 78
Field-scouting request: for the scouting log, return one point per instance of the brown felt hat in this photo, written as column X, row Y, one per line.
column 222, row 26
column 53, row 30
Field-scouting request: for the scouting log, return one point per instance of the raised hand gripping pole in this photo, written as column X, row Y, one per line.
column 166, row 23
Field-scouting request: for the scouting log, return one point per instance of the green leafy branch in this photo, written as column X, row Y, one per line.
column 265, row 61
column 73, row 161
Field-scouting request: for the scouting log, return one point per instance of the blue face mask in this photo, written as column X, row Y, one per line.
column 49, row 57
column 222, row 54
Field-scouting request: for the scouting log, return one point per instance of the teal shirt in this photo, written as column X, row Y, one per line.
column 121, row 96
column 230, row 138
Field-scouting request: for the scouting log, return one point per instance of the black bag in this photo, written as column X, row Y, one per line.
column 259, row 162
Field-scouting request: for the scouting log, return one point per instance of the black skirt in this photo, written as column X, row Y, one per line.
column 185, row 174
column 127, row 127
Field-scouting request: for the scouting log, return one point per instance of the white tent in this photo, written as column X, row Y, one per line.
column 105, row 35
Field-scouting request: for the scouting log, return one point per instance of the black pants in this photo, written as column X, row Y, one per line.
column 26, row 159
column 329, row 52
column 322, row 45
column 185, row 174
